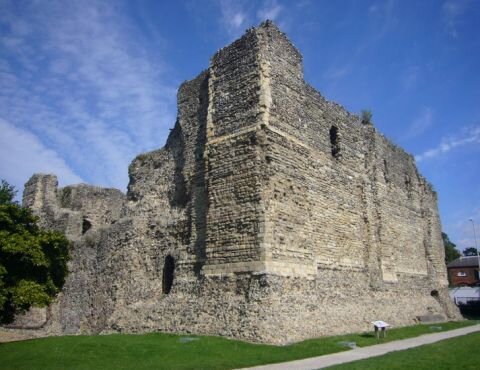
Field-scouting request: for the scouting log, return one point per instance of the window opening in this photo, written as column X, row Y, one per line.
column 86, row 225
column 334, row 142
column 408, row 186
column 168, row 274
column 385, row 171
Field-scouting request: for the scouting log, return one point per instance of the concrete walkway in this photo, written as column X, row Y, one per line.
column 366, row 352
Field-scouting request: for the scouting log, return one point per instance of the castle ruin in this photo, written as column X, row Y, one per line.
column 270, row 215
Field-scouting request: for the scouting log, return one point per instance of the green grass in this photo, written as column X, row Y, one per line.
column 168, row 351
column 456, row 353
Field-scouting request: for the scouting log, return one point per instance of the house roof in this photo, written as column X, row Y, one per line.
column 470, row 261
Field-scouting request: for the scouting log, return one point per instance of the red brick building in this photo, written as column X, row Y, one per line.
column 463, row 271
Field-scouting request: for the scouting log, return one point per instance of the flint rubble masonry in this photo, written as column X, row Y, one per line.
column 279, row 215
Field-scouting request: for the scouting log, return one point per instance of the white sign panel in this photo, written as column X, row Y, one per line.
column 380, row 324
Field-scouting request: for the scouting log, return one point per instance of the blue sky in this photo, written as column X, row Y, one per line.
column 87, row 85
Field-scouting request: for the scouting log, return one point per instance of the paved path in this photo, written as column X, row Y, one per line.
column 366, row 352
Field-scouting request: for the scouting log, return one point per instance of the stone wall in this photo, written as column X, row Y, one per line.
column 73, row 209
column 235, row 212
column 270, row 215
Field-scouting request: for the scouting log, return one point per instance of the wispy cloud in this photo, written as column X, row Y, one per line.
column 410, row 77
column 470, row 135
column 383, row 17
column 452, row 12
column 74, row 76
column 421, row 123
column 23, row 154
column 237, row 15
column 271, row 9
column 234, row 17
column 380, row 19
column 337, row 72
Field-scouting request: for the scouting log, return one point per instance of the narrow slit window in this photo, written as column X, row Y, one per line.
column 334, row 142
column 168, row 274
column 385, row 171
column 408, row 186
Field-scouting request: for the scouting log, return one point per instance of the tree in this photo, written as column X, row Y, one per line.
column 7, row 193
column 451, row 251
column 33, row 262
column 366, row 117
column 470, row 251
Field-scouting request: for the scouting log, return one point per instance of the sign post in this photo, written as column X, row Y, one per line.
column 380, row 326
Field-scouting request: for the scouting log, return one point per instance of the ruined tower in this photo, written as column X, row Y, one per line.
column 270, row 215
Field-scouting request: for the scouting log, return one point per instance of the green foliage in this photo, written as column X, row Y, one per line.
column 366, row 116
column 27, row 292
column 470, row 251
column 7, row 193
column 33, row 262
column 3, row 292
column 451, row 251
column 168, row 351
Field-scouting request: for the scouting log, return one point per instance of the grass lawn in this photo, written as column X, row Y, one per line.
column 456, row 353
column 168, row 351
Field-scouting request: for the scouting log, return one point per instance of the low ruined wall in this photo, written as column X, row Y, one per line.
column 74, row 209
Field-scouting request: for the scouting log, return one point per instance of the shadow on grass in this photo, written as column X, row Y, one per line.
column 367, row 335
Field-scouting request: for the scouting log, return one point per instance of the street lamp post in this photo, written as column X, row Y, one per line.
column 476, row 247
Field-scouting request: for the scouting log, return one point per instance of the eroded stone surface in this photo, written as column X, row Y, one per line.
column 285, row 215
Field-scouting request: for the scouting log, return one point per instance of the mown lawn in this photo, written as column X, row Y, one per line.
column 450, row 354
column 168, row 351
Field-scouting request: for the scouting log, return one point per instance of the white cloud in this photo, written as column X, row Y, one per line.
column 382, row 13
column 237, row 20
column 234, row 17
column 270, row 10
column 23, row 154
column 452, row 12
column 81, row 81
column 470, row 135
column 421, row 123
column 410, row 77
column 337, row 72
column 382, row 17
column 238, row 15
